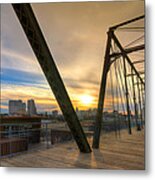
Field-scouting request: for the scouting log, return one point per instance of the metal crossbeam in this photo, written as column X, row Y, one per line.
column 126, row 22
column 127, row 57
column 138, row 62
column 36, row 39
column 140, row 72
column 128, row 75
column 129, row 50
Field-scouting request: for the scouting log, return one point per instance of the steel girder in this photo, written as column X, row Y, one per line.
column 36, row 39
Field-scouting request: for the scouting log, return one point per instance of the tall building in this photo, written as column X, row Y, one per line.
column 31, row 108
column 17, row 107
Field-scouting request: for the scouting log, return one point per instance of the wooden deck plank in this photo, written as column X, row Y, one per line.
column 126, row 152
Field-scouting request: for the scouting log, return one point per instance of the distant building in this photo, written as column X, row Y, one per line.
column 86, row 114
column 55, row 113
column 17, row 107
column 31, row 108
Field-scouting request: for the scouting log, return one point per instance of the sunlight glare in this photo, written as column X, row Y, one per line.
column 86, row 99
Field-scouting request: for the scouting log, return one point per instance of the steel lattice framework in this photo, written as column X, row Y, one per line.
column 109, row 59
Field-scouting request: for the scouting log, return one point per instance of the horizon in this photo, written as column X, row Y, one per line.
column 76, row 36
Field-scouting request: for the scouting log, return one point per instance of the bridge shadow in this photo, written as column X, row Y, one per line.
column 99, row 159
column 84, row 160
column 93, row 160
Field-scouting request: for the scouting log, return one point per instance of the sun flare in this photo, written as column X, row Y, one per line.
column 86, row 99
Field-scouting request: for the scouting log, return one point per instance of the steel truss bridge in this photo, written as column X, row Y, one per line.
column 120, row 76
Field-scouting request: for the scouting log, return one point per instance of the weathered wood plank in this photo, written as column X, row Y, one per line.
column 126, row 152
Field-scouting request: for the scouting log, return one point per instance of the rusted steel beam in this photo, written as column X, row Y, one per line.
column 127, row 96
column 129, row 50
column 107, row 63
column 127, row 22
column 126, row 57
column 134, row 100
column 36, row 39
column 140, row 103
column 98, row 122
column 138, row 62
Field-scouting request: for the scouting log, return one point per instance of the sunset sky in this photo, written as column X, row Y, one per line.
column 76, row 36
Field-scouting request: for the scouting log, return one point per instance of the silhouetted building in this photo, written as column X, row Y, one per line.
column 86, row 114
column 55, row 113
column 31, row 108
column 17, row 107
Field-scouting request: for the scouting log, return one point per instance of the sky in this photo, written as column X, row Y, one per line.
column 76, row 36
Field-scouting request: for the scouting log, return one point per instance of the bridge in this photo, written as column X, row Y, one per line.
column 122, row 94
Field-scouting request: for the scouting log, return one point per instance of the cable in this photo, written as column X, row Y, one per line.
column 134, row 41
column 112, row 93
column 117, row 95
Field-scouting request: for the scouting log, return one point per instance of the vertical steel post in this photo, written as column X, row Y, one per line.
column 140, row 105
column 125, row 57
column 36, row 39
column 127, row 96
column 98, row 121
column 143, row 100
column 134, row 98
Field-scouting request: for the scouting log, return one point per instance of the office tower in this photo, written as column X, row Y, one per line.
column 31, row 107
column 17, row 107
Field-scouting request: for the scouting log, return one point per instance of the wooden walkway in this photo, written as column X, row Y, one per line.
column 126, row 152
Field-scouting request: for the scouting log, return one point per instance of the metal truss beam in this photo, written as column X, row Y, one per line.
column 107, row 63
column 134, row 100
column 127, row 96
column 138, row 62
column 36, row 39
column 126, row 22
column 126, row 57
column 98, row 122
column 129, row 50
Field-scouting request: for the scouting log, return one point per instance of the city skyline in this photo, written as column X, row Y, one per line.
column 18, row 107
column 76, row 42
column 73, row 80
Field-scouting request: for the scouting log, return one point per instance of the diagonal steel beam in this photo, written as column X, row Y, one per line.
column 138, row 62
column 126, row 56
column 36, row 39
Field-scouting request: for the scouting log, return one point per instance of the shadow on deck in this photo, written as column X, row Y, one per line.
column 125, row 152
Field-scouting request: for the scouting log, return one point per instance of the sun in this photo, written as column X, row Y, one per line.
column 86, row 99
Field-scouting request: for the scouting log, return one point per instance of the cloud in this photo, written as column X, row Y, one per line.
column 76, row 36
column 12, row 59
column 43, row 97
column 21, row 77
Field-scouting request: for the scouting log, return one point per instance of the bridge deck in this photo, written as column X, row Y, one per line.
column 126, row 152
